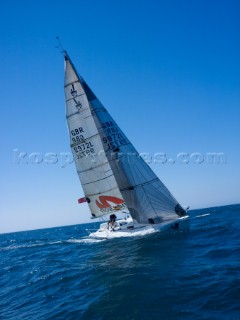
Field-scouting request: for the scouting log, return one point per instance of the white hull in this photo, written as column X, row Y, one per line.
column 127, row 228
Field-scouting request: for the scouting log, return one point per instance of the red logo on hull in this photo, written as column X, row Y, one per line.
column 103, row 201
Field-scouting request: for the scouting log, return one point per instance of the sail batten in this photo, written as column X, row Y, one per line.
column 95, row 181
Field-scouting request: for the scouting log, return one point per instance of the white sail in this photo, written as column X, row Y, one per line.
column 96, row 176
column 109, row 167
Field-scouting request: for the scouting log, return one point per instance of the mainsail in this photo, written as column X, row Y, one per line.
column 113, row 168
column 96, row 176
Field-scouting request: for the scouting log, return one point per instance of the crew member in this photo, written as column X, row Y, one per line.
column 112, row 224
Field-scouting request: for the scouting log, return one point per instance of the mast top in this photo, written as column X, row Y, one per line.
column 60, row 47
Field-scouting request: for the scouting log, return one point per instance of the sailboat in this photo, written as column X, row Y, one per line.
column 114, row 177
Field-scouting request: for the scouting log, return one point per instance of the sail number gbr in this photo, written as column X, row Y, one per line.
column 113, row 137
column 82, row 148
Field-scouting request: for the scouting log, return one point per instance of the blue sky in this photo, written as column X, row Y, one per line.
column 167, row 71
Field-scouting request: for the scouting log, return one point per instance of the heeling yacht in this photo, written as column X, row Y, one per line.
column 114, row 177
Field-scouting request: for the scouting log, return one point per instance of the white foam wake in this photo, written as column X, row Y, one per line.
column 85, row 240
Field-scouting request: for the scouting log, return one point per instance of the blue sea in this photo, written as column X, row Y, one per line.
column 60, row 273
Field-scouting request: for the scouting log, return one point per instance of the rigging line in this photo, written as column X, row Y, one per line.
column 59, row 46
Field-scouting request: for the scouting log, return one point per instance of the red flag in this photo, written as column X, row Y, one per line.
column 81, row 200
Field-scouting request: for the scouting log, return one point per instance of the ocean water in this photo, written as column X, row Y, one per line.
column 60, row 273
